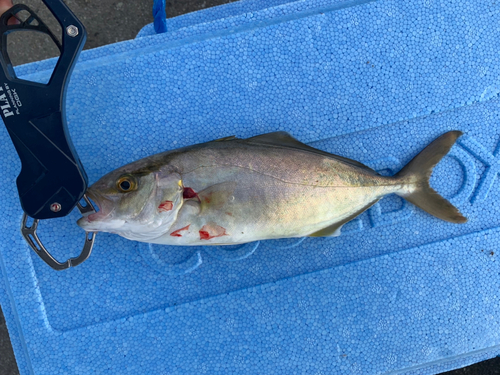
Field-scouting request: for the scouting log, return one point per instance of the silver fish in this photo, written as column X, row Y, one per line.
column 233, row 191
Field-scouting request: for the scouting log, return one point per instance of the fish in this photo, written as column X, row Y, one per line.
column 233, row 191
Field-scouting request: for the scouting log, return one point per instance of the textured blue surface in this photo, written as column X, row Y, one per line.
column 398, row 292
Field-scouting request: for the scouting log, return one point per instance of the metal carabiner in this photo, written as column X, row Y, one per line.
column 31, row 237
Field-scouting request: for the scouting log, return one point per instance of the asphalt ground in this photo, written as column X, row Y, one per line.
column 111, row 21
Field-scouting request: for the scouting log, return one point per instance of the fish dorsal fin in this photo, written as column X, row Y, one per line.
column 230, row 138
column 284, row 139
column 334, row 229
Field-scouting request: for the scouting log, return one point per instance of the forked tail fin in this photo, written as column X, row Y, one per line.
column 419, row 171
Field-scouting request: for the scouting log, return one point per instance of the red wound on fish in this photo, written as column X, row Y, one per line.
column 177, row 233
column 211, row 230
column 189, row 193
column 166, row 206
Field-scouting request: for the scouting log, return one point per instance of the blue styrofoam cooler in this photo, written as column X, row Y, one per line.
column 400, row 292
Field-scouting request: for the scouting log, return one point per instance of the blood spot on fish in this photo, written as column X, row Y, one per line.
column 166, row 206
column 212, row 230
column 189, row 193
column 229, row 213
column 177, row 233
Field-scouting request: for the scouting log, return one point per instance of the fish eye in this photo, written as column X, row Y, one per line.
column 126, row 184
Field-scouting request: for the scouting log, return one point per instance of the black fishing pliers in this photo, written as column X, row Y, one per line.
column 52, row 180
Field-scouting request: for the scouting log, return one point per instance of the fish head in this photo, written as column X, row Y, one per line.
column 136, row 203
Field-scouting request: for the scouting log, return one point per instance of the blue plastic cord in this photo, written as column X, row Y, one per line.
column 160, row 16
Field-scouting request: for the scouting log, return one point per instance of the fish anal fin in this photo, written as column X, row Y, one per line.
column 334, row 229
column 284, row 139
column 331, row 231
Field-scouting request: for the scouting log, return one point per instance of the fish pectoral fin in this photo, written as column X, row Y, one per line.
column 284, row 139
column 335, row 229
column 191, row 207
column 217, row 195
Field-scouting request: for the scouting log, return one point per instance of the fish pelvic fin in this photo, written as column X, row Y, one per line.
column 417, row 173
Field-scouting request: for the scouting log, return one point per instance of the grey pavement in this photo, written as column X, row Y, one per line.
column 106, row 21
column 111, row 21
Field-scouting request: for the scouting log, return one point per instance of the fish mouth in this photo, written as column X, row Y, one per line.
column 104, row 209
